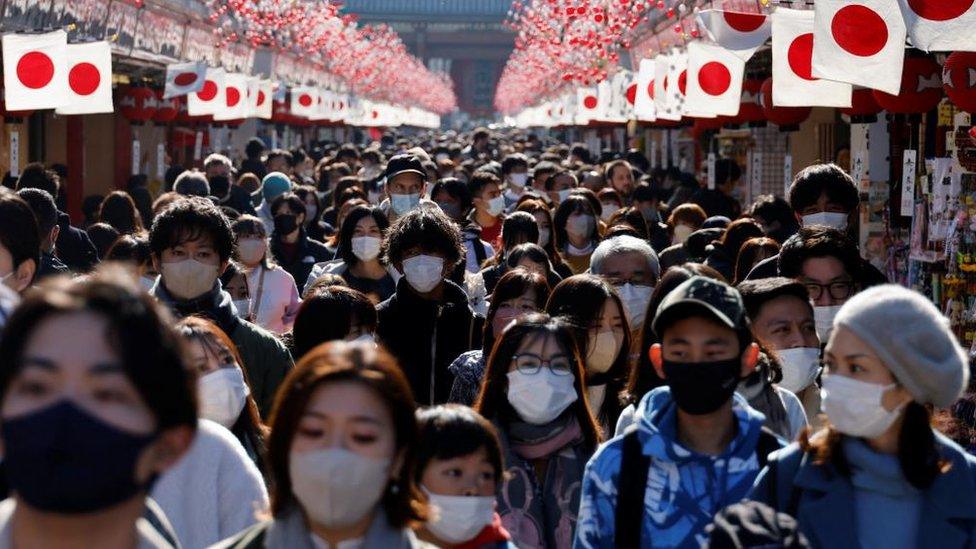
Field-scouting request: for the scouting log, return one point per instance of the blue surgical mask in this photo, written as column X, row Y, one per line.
column 403, row 203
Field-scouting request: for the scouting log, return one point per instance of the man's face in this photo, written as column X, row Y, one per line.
column 406, row 183
column 622, row 180
column 827, row 280
column 824, row 204
column 217, row 169
column 697, row 339
column 279, row 164
column 786, row 323
column 490, row 191
column 201, row 249
column 540, row 178
column 627, row 267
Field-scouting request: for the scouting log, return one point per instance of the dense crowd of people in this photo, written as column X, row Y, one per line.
column 468, row 340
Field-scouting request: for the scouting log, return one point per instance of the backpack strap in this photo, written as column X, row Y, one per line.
column 480, row 254
column 631, row 485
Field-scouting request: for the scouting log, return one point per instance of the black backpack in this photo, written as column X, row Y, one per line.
column 632, row 483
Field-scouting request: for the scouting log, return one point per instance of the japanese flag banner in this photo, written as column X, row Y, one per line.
column 672, row 95
column 662, row 66
column 714, row 80
column 89, row 79
column 234, row 106
column 259, row 94
column 35, row 70
column 793, row 82
column 210, row 98
column 304, row 101
column 610, row 97
column 644, row 108
column 740, row 33
column 941, row 25
column 621, row 105
column 590, row 105
column 862, row 43
column 184, row 78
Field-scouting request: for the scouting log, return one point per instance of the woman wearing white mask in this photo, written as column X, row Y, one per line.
column 534, row 393
column 273, row 297
column 359, row 261
column 594, row 310
column 342, row 437
column 880, row 475
column 576, row 232
column 684, row 220
column 459, row 466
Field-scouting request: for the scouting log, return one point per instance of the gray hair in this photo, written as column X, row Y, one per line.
column 192, row 183
column 624, row 244
column 217, row 159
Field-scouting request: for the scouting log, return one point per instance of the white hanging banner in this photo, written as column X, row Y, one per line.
column 644, row 107
column 711, row 171
column 89, row 88
column 184, row 78
column 908, row 183
column 755, row 173
column 210, row 98
column 940, row 25
column 793, row 82
column 35, row 72
column 198, row 146
column 161, row 160
column 136, row 156
column 664, row 108
column 787, row 174
column 739, row 33
column 714, row 80
column 14, row 154
column 234, row 105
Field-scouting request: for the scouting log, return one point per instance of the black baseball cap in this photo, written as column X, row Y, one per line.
column 698, row 296
column 404, row 163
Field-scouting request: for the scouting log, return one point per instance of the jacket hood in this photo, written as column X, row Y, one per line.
column 657, row 427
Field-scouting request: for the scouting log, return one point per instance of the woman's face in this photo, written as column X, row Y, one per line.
column 237, row 287
column 847, row 355
column 367, row 227
column 346, row 415
column 470, row 475
column 611, row 318
column 209, row 356
column 510, row 309
column 543, row 221
column 546, row 348
column 532, row 266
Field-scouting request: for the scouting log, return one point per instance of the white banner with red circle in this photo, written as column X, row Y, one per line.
column 714, row 80
column 941, row 25
column 89, row 79
column 644, row 107
column 210, row 98
column 740, row 33
column 184, row 78
column 793, row 82
column 234, row 105
column 35, row 71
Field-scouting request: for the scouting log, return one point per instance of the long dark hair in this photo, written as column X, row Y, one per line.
column 511, row 285
column 574, row 203
column 532, row 206
column 493, row 402
column 119, row 210
column 348, row 227
column 327, row 315
column 643, row 377
column 342, row 362
column 580, row 300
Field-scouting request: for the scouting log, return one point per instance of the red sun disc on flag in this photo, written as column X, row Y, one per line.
column 940, row 10
column 208, row 92
column 589, row 102
column 233, row 97
column 261, row 98
column 305, row 100
column 744, row 22
column 185, row 78
column 800, row 56
column 650, row 89
column 35, row 70
column 376, row 114
column 84, row 78
column 859, row 30
column 683, row 81
column 714, row 78
column 632, row 93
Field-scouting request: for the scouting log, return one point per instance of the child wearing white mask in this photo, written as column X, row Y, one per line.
column 272, row 299
column 534, row 393
column 459, row 465
column 881, row 476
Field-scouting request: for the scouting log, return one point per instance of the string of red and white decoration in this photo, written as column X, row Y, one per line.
column 371, row 60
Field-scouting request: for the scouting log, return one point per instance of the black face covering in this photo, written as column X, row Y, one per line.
column 285, row 223
column 219, row 186
column 702, row 387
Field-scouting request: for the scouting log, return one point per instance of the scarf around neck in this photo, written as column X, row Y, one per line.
column 538, row 441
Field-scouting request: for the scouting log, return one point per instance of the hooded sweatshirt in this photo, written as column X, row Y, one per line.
column 684, row 489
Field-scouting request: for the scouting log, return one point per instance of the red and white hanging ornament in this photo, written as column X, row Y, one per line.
column 793, row 82
column 89, row 79
column 35, row 71
column 714, row 79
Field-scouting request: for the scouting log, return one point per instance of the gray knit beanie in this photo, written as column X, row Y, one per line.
column 912, row 338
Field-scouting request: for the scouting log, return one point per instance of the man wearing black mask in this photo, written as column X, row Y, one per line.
column 219, row 172
column 696, row 429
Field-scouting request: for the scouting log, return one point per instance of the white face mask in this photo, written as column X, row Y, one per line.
column 563, row 194
column 681, row 234
column 544, row 235
column 423, row 272
column 580, row 226
column 518, row 179
column 188, row 279
column 496, row 206
column 800, row 367
column 604, row 348
column 636, row 298
column 830, row 219
column 823, row 317
column 251, row 250
column 460, row 518
column 854, row 407
column 542, row 397
column 223, row 394
column 243, row 307
column 336, row 487
column 608, row 210
column 366, row 248
column 403, row 203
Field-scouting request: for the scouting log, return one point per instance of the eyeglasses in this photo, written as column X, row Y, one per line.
column 836, row 290
column 530, row 364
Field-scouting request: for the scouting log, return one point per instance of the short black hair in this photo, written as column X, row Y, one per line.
column 188, row 219
column 818, row 241
column 756, row 293
column 819, row 179
column 134, row 248
column 36, row 176
column 770, row 208
column 727, row 170
column 295, row 204
column 427, row 228
column 349, row 227
column 451, row 431
column 254, row 147
column 327, row 314
column 513, row 161
column 645, row 193
column 544, row 167
column 192, row 183
column 45, row 210
column 480, row 180
column 18, row 229
column 279, row 153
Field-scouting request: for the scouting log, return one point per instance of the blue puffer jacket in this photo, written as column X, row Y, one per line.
column 684, row 489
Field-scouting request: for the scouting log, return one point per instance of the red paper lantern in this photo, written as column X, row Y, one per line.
column 702, row 125
column 787, row 118
column 137, row 104
column 750, row 108
column 958, row 81
column 280, row 112
column 863, row 105
column 167, row 109
column 921, row 88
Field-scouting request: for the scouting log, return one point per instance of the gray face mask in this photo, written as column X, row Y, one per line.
column 450, row 209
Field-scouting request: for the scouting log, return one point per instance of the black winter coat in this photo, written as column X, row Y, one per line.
column 73, row 246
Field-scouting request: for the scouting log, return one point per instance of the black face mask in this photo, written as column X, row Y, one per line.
column 219, row 186
column 702, row 387
column 285, row 223
column 64, row 460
